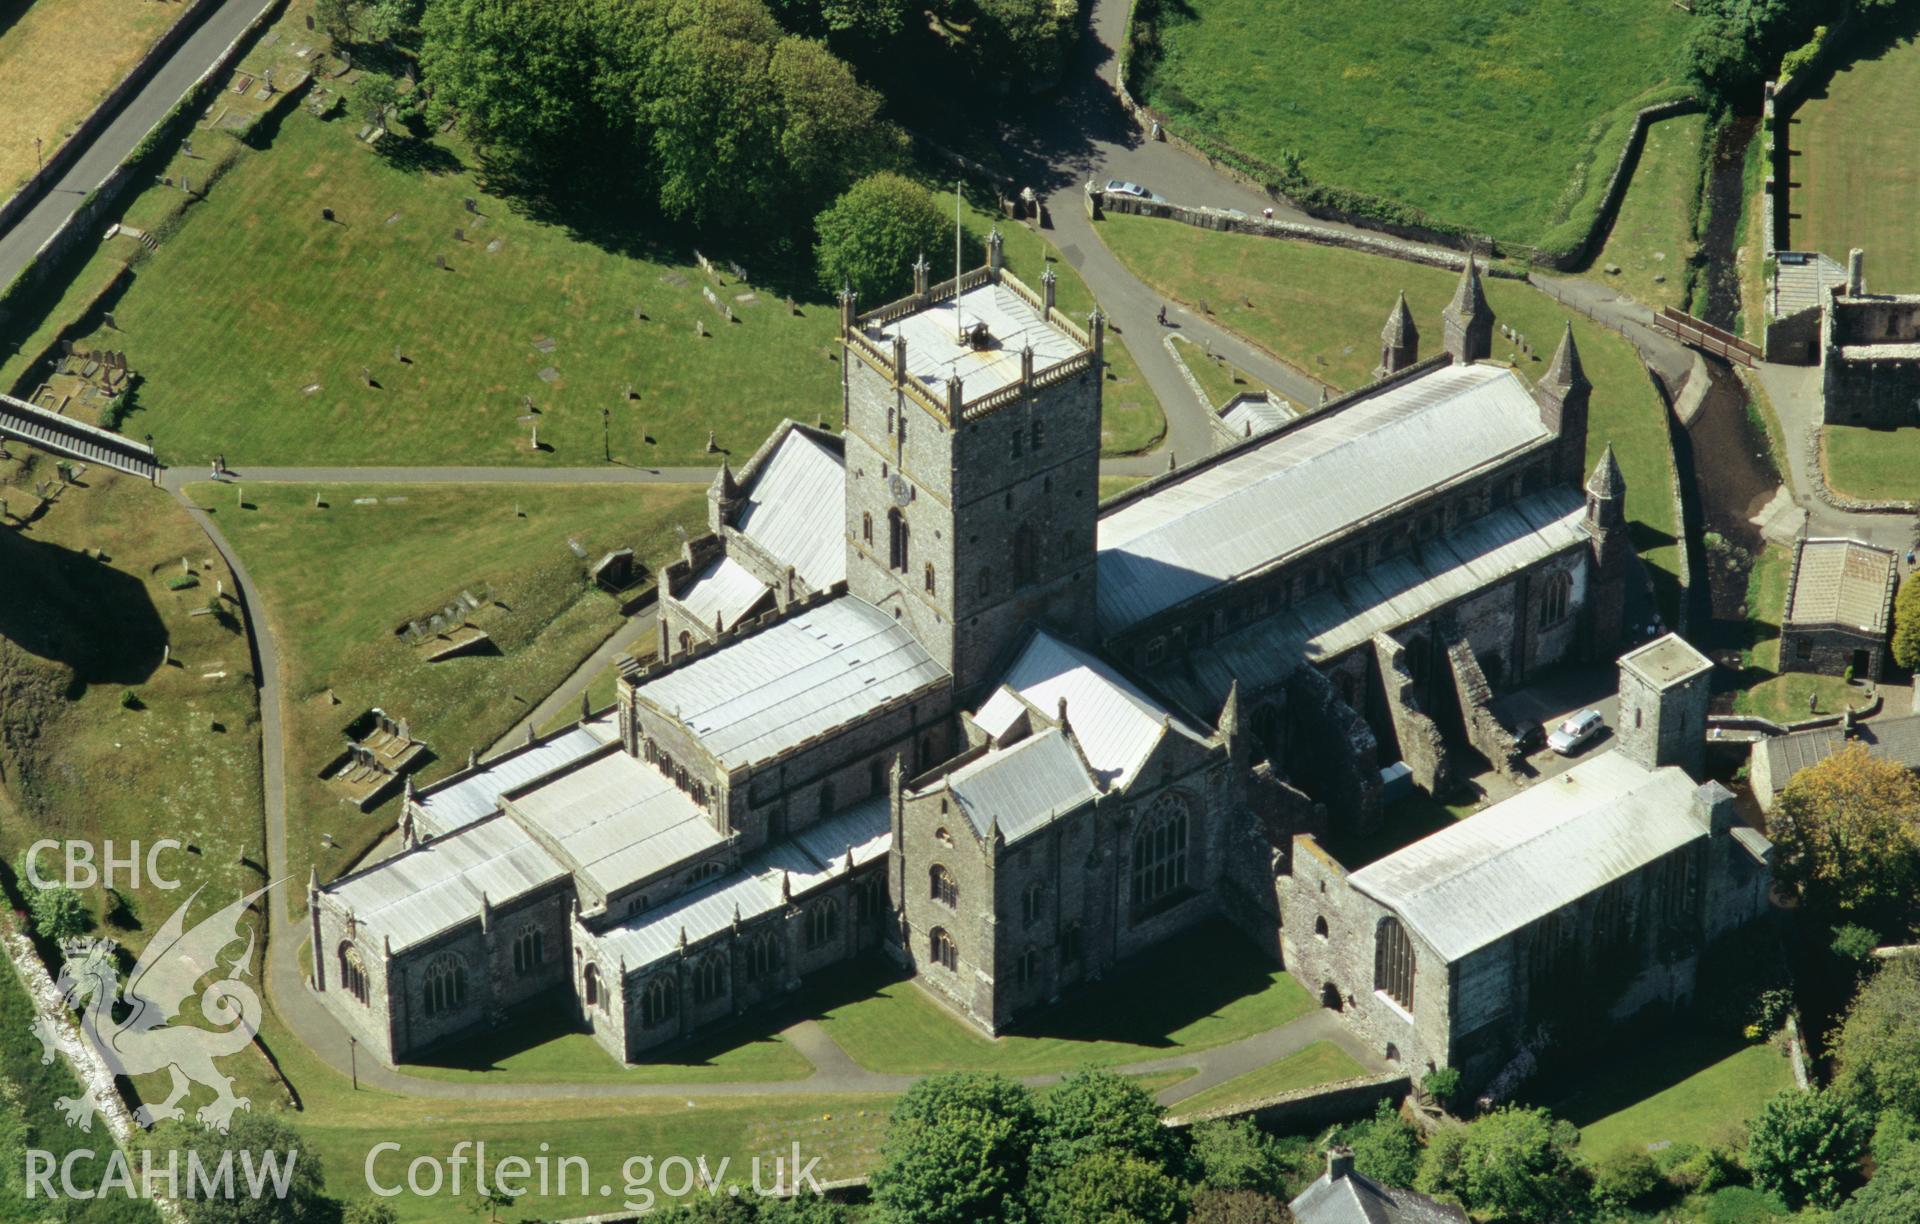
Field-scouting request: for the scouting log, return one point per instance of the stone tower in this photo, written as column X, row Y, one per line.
column 1399, row 340
column 1468, row 320
column 1664, row 687
column 972, row 461
column 1610, row 553
column 1562, row 393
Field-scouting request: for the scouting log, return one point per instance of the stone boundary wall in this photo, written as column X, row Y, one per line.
column 1817, row 469
column 1779, row 100
column 107, row 195
column 101, row 115
column 1671, row 420
column 1221, row 219
column 1319, row 1105
column 1623, row 167
column 1769, row 728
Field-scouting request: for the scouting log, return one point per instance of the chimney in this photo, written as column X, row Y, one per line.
column 1339, row 1163
column 1856, row 272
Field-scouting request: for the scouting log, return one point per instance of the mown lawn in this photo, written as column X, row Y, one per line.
column 1683, row 1091
column 1482, row 114
column 1772, row 693
column 1652, row 236
column 1322, row 308
column 550, row 1051
column 1320, row 1063
column 1201, row 989
column 1218, row 377
column 340, row 579
column 1856, row 176
column 1875, row 464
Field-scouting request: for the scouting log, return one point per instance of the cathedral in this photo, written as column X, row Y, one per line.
column 919, row 690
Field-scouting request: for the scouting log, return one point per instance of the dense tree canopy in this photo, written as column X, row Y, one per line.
column 1879, row 1046
column 1906, row 625
column 1109, row 1186
column 871, row 235
column 956, row 1151
column 1512, row 1162
column 258, row 1138
column 1806, row 1146
column 1847, row 834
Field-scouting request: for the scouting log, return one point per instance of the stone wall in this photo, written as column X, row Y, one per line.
column 1485, row 733
column 1419, row 741
column 1830, row 650
column 1309, row 1108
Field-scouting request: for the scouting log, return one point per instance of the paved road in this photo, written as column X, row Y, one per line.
column 147, row 107
column 636, row 629
column 1795, row 393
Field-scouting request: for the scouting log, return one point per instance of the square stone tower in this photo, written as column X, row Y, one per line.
column 972, row 418
column 1664, row 688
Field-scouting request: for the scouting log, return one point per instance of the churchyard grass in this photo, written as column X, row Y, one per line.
column 1501, row 118
column 1875, row 464
column 1111, row 486
column 550, row 1051
column 1856, row 170
column 1653, row 234
column 340, row 580
column 1322, row 308
column 1769, row 692
column 59, row 59
column 1207, row 987
column 1681, row 1091
column 1320, row 1063
column 130, row 712
column 1218, row 377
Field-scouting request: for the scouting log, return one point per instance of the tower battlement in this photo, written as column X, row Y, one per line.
column 1006, row 342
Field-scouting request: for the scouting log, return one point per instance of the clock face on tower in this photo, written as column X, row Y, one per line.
column 902, row 492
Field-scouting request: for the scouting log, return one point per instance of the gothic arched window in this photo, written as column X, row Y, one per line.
column 1032, row 904
column 1393, row 961
column 446, row 983
column 1554, row 600
column 942, row 946
column 823, row 923
column 709, row 978
column 1026, row 554
column 591, row 988
column 897, row 551
column 529, row 949
column 942, row 886
column 763, row 955
column 658, row 1002
column 353, row 972
column 1160, row 852
column 866, row 530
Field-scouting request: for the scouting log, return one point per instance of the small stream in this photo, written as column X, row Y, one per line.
column 1725, row 204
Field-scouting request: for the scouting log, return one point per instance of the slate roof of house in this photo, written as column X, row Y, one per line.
column 464, row 797
column 796, row 507
column 1491, row 874
column 1399, row 591
column 438, row 884
column 1238, row 515
column 815, row 672
column 615, row 819
column 1892, row 739
column 1355, row 1198
column 1842, row 582
column 1023, row 787
column 725, row 591
column 1116, row 723
column 806, row 860
column 934, row 353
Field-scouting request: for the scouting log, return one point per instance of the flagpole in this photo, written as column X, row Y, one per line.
column 959, row 328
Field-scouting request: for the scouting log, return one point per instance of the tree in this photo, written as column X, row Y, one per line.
column 512, row 71
column 374, row 96
column 1109, row 1186
column 1846, row 833
column 1906, row 625
column 337, row 19
column 257, row 1141
column 1879, row 1046
column 490, row 1201
column 1238, row 1155
column 830, row 132
column 956, row 1151
column 1623, row 1178
column 1238, row 1207
column 370, row 1211
column 1386, row 1147
column 58, row 913
column 714, row 114
column 870, row 236
column 1512, row 1162
column 802, row 1210
column 1092, row 1111
column 1806, row 1146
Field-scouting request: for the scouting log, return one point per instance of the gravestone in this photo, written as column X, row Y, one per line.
column 440, row 262
column 366, row 375
column 639, row 312
column 495, row 245
column 699, row 329
column 326, row 214
column 473, row 205
column 459, row 235
column 713, row 447
column 730, row 317
column 106, row 318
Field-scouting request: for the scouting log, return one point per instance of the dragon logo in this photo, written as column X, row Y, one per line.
column 129, row 1031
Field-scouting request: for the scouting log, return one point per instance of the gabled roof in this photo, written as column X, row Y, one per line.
column 1493, row 873
column 1841, row 582
column 615, row 819
column 1022, row 788
column 1117, row 724
column 1892, row 739
column 1309, row 482
column 465, row 797
column 796, row 509
column 438, row 884
column 724, row 592
column 814, row 673
column 1355, row 1198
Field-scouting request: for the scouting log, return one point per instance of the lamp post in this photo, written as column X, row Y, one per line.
column 606, row 434
column 39, row 162
column 353, row 1059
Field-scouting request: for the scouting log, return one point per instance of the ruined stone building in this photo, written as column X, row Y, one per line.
column 920, row 690
column 1869, row 354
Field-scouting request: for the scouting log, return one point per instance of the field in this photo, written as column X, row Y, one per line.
column 58, row 60
column 1685, row 1091
column 1767, row 691
column 1209, row 987
column 339, row 579
column 130, row 710
column 1873, row 463
column 1652, row 236
column 1322, row 307
column 1856, row 176
column 1320, row 1063
column 1484, row 115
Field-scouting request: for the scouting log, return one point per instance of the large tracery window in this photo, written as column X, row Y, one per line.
column 1393, row 962
column 446, row 983
column 709, row 978
column 942, row 887
column 823, row 923
column 1554, row 600
column 763, row 956
column 658, row 1002
column 942, row 946
column 529, row 950
column 1160, row 852
column 353, row 972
